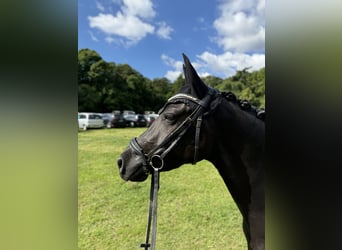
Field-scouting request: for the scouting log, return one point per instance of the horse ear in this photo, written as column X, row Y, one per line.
column 193, row 83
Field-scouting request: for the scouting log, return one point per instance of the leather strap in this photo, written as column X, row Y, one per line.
column 197, row 138
column 152, row 212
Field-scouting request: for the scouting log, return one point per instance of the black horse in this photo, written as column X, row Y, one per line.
column 202, row 123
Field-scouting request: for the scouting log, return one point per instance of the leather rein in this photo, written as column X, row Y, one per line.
column 154, row 160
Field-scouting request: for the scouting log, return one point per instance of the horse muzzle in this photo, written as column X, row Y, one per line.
column 132, row 168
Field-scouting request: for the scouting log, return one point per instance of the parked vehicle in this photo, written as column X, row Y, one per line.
column 128, row 112
column 107, row 117
column 137, row 120
column 90, row 120
column 117, row 121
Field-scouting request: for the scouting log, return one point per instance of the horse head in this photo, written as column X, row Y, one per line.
column 170, row 141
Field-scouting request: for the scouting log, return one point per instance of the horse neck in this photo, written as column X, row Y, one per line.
column 237, row 152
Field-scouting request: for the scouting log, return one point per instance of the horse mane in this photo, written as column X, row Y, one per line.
column 245, row 105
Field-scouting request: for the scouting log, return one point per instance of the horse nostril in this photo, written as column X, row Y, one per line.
column 120, row 163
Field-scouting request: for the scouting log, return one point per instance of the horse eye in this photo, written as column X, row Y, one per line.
column 169, row 117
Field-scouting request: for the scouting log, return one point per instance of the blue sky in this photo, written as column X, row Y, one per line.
column 218, row 36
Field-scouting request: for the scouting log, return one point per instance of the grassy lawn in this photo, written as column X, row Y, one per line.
column 195, row 210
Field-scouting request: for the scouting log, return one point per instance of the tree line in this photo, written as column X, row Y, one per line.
column 106, row 86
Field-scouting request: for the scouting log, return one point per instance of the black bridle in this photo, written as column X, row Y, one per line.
column 154, row 160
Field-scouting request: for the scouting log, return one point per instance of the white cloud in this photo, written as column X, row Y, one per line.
column 172, row 75
column 228, row 63
column 177, row 66
column 109, row 39
column 203, row 74
column 99, row 6
column 241, row 26
column 224, row 65
column 240, row 30
column 141, row 8
column 92, row 36
column 131, row 23
column 172, row 62
column 130, row 27
column 164, row 30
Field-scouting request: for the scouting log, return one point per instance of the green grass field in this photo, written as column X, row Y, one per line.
column 195, row 210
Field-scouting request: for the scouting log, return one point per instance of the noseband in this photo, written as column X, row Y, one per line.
column 155, row 158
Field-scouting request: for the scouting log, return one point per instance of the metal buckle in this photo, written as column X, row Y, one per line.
column 157, row 162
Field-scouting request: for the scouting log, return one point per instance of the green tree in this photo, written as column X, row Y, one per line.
column 86, row 58
column 160, row 86
column 88, row 97
column 246, row 85
column 106, row 86
column 176, row 85
column 102, row 73
column 212, row 81
column 229, row 85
